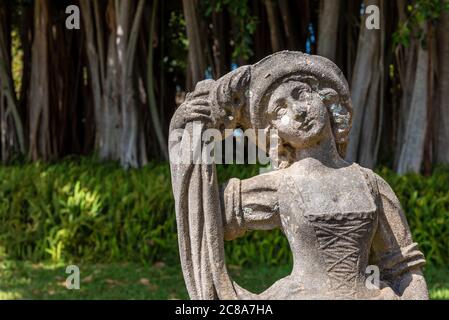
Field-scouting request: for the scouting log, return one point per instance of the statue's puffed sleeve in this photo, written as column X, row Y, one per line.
column 393, row 249
column 250, row 204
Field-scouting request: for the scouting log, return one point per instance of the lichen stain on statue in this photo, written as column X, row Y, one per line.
column 339, row 218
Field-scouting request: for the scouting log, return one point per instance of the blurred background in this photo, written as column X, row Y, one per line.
column 84, row 117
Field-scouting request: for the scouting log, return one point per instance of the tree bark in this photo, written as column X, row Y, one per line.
column 102, row 75
column 412, row 152
column 39, row 109
column 219, row 48
column 304, row 8
column 290, row 30
column 131, row 155
column 65, row 51
column 197, row 55
column 365, row 88
column 274, row 23
column 406, row 60
column 119, row 129
column 442, row 109
column 150, row 87
column 328, row 28
column 12, row 134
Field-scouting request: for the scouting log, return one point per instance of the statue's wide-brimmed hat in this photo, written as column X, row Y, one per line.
column 271, row 71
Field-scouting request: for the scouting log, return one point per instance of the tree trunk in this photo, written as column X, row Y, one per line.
column 150, row 87
column 197, row 55
column 26, row 38
column 290, row 30
column 366, row 95
column 127, row 34
column 262, row 42
column 412, row 152
column 274, row 23
column 118, row 125
column 442, row 109
column 100, row 81
column 219, row 48
column 328, row 28
column 304, row 10
column 65, row 78
column 12, row 134
column 39, row 109
column 406, row 60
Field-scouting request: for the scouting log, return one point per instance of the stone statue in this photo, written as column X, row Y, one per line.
column 339, row 218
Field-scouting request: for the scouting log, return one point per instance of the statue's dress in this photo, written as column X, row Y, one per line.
column 337, row 223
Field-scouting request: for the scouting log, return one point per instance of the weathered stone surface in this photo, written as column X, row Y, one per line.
column 340, row 219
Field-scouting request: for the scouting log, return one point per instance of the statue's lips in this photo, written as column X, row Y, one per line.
column 305, row 125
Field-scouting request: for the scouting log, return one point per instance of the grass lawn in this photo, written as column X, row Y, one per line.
column 25, row 280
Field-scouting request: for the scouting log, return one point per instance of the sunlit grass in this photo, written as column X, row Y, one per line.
column 439, row 294
column 26, row 280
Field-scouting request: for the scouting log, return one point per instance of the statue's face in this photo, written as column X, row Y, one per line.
column 299, row 114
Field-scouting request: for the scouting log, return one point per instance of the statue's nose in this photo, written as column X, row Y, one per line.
column 299, row 112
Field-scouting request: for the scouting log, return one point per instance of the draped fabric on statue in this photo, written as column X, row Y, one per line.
column 197, row 200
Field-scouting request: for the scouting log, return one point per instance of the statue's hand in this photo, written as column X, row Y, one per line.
column 197, row 106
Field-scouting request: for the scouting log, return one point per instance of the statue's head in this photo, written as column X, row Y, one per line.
column 304, row 97
column 305, row 113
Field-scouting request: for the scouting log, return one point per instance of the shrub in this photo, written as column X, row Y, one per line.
column 425, row 201
column 73, row 210
column 91, row 211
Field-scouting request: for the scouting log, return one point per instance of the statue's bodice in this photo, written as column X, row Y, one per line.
column 338, row 221
column 329, row 220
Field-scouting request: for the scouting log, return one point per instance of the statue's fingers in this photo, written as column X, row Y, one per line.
column 196, row 106
column 202, row 93
column 200, row 103
column 196, row 116
column 200, row 100
column 204, row 112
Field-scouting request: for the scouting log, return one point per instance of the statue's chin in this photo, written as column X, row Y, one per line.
column 304, row 140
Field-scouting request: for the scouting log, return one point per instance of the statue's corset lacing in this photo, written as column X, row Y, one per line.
column 339, row 238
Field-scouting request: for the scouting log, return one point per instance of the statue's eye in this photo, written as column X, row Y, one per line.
column 329, row 96
column 281, row 108
column 301, row 93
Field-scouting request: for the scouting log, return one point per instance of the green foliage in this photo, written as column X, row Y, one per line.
column 175, row 61
column 426, row 204
column 244, row 28
column 85, row 210
column 419, row 12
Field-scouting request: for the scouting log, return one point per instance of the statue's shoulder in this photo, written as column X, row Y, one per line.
column 270, row 178
column 370, row 175
column 379, row 186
